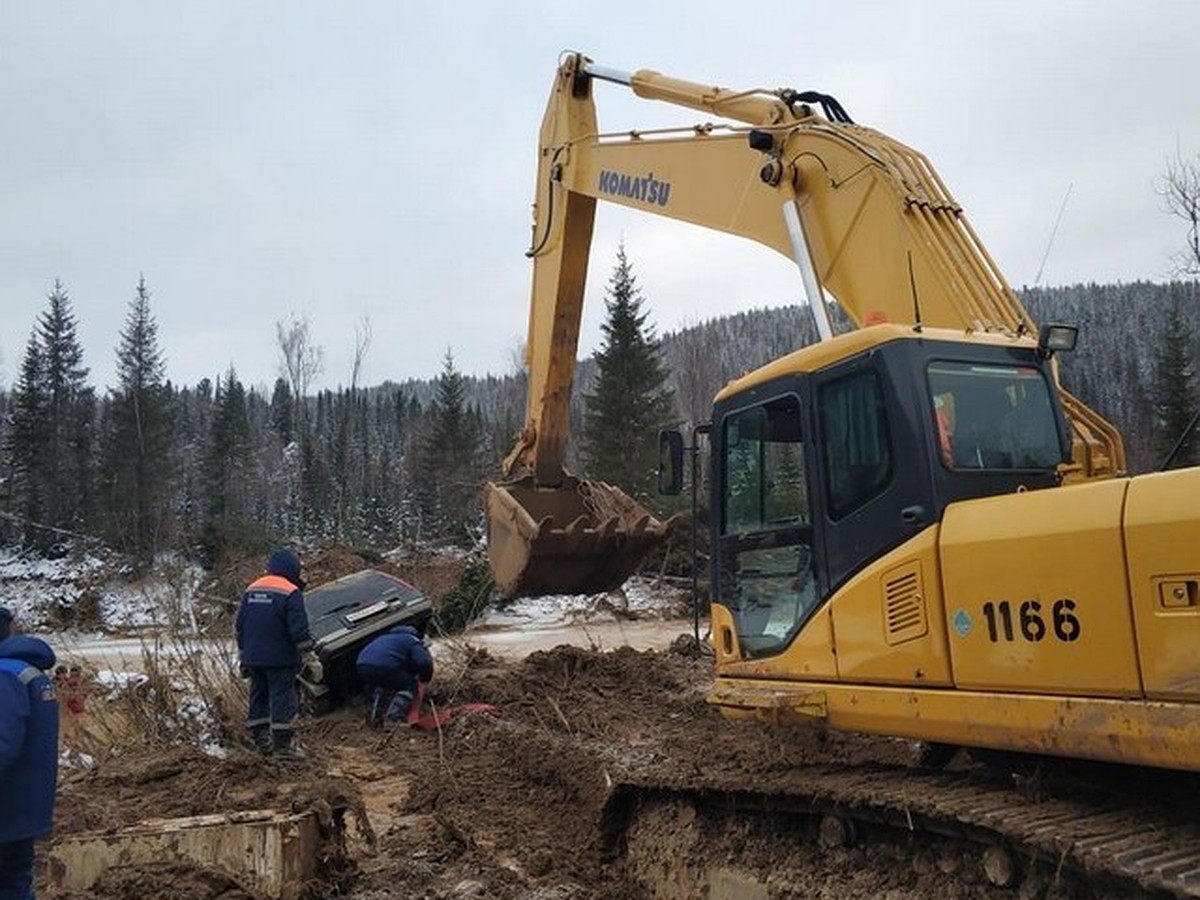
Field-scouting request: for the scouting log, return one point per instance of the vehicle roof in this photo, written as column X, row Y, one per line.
column 825, row 353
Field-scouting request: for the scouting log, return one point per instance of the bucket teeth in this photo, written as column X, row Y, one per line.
column 580, row 537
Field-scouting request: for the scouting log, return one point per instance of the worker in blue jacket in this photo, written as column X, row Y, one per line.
column 390, row 666
column 273, row 643
column 28, row 755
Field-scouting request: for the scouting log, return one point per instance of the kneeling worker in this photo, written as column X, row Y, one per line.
column 392, row 665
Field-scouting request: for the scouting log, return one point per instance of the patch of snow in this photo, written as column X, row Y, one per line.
column 41, row 591
column 637, row 596
column 118, row 683
column 17, row 565
column 31, row 586
column 167, row 597
column 75, row 759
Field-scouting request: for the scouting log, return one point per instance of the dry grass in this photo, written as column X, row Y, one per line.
column 186, row 692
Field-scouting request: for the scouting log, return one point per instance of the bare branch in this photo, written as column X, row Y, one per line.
column 1180, row 189
column 362, row 343
column 302, row 361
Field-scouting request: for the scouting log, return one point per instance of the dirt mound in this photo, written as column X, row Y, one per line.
column 170, row 881
column 183, row 781
column 432, row 572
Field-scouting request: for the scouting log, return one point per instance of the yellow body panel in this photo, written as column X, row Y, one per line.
column 1152, row 733
column 888, row 621
column 1054, row 557
column 809, row 656
column 1070, row 686
column 1162, row 525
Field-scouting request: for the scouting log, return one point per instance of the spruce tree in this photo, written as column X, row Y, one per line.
column 192, row 417
column 630, row 399
column 26, row 439
column 138, row 466
column 226, row 469
column 448, row 478
column 1174, row 391
column 53, row 453
column 283, row 411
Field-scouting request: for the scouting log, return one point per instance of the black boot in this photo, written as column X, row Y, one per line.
column 285, row 745
column 262, row 739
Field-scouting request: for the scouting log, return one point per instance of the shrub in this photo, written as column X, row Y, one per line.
column 466, row 601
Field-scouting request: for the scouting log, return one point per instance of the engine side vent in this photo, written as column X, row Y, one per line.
column 904, row 614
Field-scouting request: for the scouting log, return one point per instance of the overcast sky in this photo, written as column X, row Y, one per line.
column 256, row 161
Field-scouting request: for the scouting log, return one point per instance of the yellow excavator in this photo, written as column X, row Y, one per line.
column 916, row 531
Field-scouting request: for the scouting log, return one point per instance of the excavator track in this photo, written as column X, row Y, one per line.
column 1106, row 841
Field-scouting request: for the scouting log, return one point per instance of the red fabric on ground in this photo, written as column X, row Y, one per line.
column 432, row 720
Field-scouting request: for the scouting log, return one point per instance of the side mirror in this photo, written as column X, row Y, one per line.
column 670, row 462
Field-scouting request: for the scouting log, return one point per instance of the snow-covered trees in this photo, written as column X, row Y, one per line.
column 375, row 465
column 1175, row 392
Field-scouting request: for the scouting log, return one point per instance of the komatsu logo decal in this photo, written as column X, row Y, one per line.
column 648, row 189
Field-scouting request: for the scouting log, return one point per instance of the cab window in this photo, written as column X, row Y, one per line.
column 993, row 417
column 765, row 555
column 856, row 445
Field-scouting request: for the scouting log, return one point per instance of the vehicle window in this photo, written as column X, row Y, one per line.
column 764, row 465
column 993, row 417
column 857, row 448
column 765, row 565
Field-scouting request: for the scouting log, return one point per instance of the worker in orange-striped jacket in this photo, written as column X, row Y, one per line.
column 273, row 642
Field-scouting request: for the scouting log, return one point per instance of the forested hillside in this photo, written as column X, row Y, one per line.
column 151, row 465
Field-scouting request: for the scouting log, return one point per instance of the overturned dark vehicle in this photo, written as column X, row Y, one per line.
column 345, row 614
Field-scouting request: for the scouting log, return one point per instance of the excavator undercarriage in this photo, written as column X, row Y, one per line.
column 1042, row 834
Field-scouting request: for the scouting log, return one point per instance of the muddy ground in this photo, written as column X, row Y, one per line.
column 516, row 803
column 512, row 805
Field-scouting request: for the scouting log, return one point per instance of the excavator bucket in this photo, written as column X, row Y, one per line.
column 582, row 537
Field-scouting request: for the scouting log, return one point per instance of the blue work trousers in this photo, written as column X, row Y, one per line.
column 16, row 870
column 272, row 697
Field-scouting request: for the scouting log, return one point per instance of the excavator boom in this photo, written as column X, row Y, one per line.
column 867, row 220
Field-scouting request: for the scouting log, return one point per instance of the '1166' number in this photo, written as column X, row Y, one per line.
column 1029, row 618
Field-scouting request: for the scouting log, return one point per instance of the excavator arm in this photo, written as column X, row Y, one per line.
column 866, row 219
